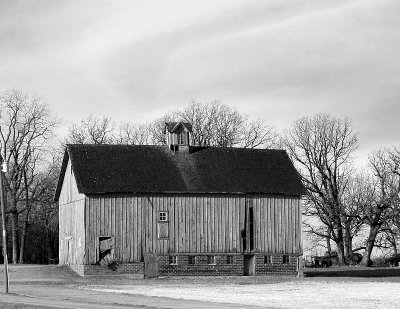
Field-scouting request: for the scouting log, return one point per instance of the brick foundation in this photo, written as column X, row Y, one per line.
column 90, row 270
column 201, row 266
column 272, row 265
column 276, row 267
column 221, row 268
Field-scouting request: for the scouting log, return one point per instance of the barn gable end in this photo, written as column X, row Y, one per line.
column 71, row 223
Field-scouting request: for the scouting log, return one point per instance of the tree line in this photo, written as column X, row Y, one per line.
column 343, row 202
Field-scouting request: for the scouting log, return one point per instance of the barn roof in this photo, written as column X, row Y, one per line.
column 102, row 169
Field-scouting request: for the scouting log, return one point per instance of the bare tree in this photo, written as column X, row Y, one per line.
column 213, row 124
column 321, row 146
column 26, row 125
column 216, row 124
column 132, row 134
column 39, row 186
column 92, row 130
column 202, row 117
column 258, row 134
column 379, row 196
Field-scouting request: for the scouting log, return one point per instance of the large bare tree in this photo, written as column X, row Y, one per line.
column 321, row 146
column 378, row 196
column 26, row 125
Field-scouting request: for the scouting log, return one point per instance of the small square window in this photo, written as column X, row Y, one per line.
column 229, row 259
column 163, row 216
column 191, row 259
column 211, row 259
column 267, row 259
column 286, row 259
column 173, row 259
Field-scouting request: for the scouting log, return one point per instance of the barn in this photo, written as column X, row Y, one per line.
column 179, row 209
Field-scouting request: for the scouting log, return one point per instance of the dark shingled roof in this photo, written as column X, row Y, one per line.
column 143, row 169
column 172, row 126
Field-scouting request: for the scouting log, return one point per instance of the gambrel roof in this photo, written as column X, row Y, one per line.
column 101, row 169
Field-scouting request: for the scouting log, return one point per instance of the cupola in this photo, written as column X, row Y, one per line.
column 177, row 135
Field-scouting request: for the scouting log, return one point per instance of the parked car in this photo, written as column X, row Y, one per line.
column 394, row 260
column 355, row 258
column 327, row 260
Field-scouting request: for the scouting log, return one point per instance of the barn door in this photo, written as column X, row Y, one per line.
column 150, row 265
column 248, row 235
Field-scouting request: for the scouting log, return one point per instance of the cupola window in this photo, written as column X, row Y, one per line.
column 181, row 138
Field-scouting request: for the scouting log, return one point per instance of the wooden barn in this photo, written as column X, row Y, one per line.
column 178, row 209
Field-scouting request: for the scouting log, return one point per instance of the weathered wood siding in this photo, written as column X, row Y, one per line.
column 277, row 224
column 71, row 222
column 197, row 224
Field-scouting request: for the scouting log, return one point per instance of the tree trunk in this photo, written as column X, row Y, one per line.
column 339, row 241
column 348, row 243
column 328, row 245
column 340, row 251
column 14, row 235
column 22, row 244
column 366, row 260
column 328, row 241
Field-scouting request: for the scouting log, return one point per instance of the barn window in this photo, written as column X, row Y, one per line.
column 211, row 259
column 173, row 259
column 163, row 224
column 229, row 259
column 285, row 259
column 267, row 259
column 191, row 259
column 163, row 216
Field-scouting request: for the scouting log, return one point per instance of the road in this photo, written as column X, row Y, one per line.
column 50, row 286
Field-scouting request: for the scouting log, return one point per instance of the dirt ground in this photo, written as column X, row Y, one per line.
column 54, row 286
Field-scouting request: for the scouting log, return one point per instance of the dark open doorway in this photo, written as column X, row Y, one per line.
column 249, row 265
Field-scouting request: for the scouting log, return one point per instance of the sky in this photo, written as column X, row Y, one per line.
column 277, row 60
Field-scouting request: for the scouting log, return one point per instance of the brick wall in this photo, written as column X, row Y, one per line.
column 273, row 265
column 201, row 266
column 90, row 270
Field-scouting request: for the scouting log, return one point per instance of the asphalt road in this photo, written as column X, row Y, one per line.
column 50, row 286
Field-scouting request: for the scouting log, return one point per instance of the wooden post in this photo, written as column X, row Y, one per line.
column 3, row 219
column 300, row 267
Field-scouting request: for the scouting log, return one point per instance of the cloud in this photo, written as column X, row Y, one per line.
column 134, row 60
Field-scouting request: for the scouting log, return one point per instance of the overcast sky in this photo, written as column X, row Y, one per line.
column 279, row 60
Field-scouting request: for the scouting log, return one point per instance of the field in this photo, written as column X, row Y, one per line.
column 58, row 287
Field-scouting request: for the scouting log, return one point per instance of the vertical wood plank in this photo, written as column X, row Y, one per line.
column 139, row 234
column 216, row 223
